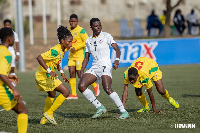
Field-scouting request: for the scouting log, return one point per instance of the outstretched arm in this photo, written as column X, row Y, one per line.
column 125, row 94
column 153, row 101
column 84, row 64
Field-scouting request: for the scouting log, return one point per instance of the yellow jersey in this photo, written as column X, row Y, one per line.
column 79, row 37
column 147, row 69
column 5, row 67
column 162, row 19
column 51, row 58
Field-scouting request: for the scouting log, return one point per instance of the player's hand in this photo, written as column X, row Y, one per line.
column 157, row 111
column 72, row 49
column 17, row 57
column 81, row 74
column 65, row 78
column 17, row 96
column 116, row 64
column 13, row 79
column 53, row 75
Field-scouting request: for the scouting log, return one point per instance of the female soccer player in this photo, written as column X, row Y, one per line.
column 46, row 77
column 139, row 74
column 99, row 45
column 10, row 98
column 7, row 23
column 76, row 55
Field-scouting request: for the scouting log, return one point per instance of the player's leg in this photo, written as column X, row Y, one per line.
column 72, row 72
column 94, row 85
column 48, row 104
column 59, row 100
column 22, row 120
column 85, row 81
column 140, row 95
column 106, row 82
column 164, row 93
column 78, row 69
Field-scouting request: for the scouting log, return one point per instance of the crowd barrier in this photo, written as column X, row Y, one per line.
column 163, row 51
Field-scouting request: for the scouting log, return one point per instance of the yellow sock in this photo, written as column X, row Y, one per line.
column 166, row 96
column 94, row 84
column 59, row 100
column 143, row 100
column 73, row 85
column 48, row 103
column 22, row 123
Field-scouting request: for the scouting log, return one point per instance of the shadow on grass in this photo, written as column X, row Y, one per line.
column 74, row 115
column 188, row 95
column 116, row 111
column 80, row 115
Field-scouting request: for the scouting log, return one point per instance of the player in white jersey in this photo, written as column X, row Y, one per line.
column 99, row 45
column 15, row 57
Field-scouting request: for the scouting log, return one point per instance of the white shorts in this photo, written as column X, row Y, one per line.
column 98, row 71
column 12, row 51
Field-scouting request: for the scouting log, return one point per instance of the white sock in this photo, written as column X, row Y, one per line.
column 114, row 96
column 90, row 96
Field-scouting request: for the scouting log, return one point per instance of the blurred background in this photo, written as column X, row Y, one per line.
column 124, row 19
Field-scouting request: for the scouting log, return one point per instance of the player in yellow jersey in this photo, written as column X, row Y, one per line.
column 139, row 74
column 76, row 55
column 10, row 97
column 46, row 78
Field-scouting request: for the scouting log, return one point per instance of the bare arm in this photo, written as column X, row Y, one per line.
column 85, row 62
column 16, row 93
column 153, row 101
column 17, row 50
column 125, row 94
column 43, row 64
column 118, row 52
column 62, row 74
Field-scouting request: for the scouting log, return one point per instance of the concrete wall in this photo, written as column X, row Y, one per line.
column 111, row 10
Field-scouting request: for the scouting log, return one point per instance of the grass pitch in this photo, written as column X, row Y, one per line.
column 74, row 116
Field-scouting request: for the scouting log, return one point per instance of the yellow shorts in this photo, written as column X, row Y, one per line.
column 76, row 62
column 47, row 84
column 7, row 98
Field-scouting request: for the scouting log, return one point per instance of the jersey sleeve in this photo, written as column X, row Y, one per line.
column 49, row 55
column 126, row 80
column 87, row 46
column 146, row 81
column 16, row 37
column 83, row 36
column 4, row 63
column 110, row 39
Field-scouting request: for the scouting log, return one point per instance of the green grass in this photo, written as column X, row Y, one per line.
column 181, row 81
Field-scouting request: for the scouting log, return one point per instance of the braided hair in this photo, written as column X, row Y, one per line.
column 63, row 32
column 93, row 20
column 132, row 71
column 4, row 33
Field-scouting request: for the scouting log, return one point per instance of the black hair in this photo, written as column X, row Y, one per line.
column 7, row 20
column 93, row 20
column 132, row 71
column 74, row 16
column 4, row 33
column 63, row 32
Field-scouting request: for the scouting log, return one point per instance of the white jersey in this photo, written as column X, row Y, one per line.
column 99, row 47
